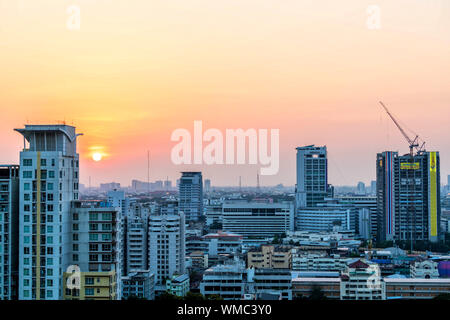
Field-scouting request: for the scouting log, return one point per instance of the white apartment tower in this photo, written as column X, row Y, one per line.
column 49, row 174
column 166, row 246
column 137, row 239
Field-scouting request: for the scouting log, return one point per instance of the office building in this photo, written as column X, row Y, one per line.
column 408, row 196
column 9, row 231
column 361, row 188
column 312, row 176
column 327, row 218
column 257, row 219
column 49, row 175
column 270, row 281
column 207, row 185
column 166, row 246
column 191, row 195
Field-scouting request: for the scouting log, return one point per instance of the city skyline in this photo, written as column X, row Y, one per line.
column 312, row 70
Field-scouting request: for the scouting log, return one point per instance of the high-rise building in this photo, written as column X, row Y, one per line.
column 49, row 174
column 9, row 231
column 408, row 196
column 95, row 233
column 191, row 195
column 166, row 245
column 117, row 199
column 373, row 187
column 312, row 176
column 136, row 240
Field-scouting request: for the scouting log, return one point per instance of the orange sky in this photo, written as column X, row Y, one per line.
column 137, row 70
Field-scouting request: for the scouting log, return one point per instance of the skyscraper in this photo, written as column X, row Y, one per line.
column 408, row 196
column 312, row 176
column 49, row 174
column 191, row 195
column 361, row 188
column 9, row 231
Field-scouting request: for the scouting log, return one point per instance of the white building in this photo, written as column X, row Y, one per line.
column 426, row 269
column 228, row 281
column 304, row 261
column 270, row 281
column 136, row 244
column 166, row 244
column 117, row 199
column 9, row 231
column 258, row 219
column 49, row 174
column 362, row 281
column 326, row 218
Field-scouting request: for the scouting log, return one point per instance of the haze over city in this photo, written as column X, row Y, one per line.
column 132, row 74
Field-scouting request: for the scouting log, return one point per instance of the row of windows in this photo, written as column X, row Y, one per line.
column 29, row 162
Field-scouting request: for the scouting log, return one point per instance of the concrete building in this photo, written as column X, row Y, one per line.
column 405, row 288
column 96, row 247
column 198, row 260
column 92, row 286
column 363, row 202
column 302, row 287
column 9, row 231
column 361, row 188
column 269, row 256
column 305, row 261
column 223, row 243
column 117, row 199
column 49, row 179
column 270, row 281
column 408, row 196
column 136, row 245
column 312, row 176
column 362, row 281
column 191, row 195
column 426, row 269
column 328, row 217
column 166, row 245
column 213, row 214
column 257, row 219
column 138, row 284
column 228, row 281
column 207, row 185
column 178, row 285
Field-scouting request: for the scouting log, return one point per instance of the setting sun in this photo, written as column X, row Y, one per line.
column 97, row 156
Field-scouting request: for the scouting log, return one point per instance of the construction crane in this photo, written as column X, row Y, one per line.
column 413, row 143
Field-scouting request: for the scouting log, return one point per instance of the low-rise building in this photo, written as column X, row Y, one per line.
column 303, row 287
column 139, row 284
column 407, row 288
column 270, row 281
column 91, row 285
column 270, row 256
column 362, row 281
column 426, row 269
column 178, row 285
column 228, row 281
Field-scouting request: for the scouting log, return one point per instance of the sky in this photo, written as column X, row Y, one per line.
column 136, row 70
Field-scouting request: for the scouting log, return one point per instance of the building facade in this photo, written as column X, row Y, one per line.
column 408, row 196
column 191, row 195
column 9, row 231
column 49, row 175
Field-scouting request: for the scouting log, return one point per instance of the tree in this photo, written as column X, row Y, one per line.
column 192, row 296
column 317, row 293
column 167, row 296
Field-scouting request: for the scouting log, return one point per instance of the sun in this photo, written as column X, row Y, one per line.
column 97, row 156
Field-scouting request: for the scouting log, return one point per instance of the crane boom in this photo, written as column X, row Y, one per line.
column 412, row 143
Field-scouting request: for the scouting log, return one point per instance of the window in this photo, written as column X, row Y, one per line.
column 26, row 197
column 27, row 174
column 43, row 162
column 26, row 186
column 93, row 237
column 89, row 280
column 27, row 162
column 51, row 174
column 89, row 291
column 50, row 186
column 75, row 257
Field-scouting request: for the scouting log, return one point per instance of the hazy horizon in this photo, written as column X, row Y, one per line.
column 137, row 70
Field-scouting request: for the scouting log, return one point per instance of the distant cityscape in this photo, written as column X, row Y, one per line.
column 61, row 240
